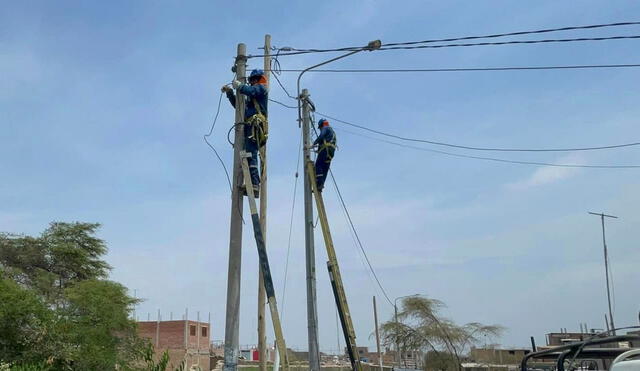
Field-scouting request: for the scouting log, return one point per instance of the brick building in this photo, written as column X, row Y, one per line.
column 184, row 340
column 498, row 356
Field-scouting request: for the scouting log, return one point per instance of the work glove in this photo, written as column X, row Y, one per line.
column 225, row 88
column 236, row 84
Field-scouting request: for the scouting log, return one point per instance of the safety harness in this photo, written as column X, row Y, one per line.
column 259, row 125
column 326, row 144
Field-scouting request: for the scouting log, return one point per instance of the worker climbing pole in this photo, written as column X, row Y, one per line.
column 332, row 263
column 251, row 131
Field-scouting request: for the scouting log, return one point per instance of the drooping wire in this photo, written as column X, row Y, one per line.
column 215, row 119
column 293, row 206
column 491, row 149
column 282, row 104
column 407, row 45
column 536, row 163
column 471, row 69
column 355, row 232
column 276, row 70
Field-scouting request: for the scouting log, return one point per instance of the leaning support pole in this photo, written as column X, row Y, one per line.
column 264, row 264
column 232, row 322
column 334, row 273
column 262, row 332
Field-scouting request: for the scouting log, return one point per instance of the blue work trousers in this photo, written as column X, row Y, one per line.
column 251, row 146
column 323, row 162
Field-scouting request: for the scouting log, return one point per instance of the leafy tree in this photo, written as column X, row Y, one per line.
column 421, row 328
column 97, row 318
column 24, row 323
column 63, row 254
column 56, row 307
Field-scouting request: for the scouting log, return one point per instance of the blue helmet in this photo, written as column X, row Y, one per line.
column 256, row 73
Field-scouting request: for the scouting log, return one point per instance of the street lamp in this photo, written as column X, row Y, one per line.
column 395, row 307
column 371, row 46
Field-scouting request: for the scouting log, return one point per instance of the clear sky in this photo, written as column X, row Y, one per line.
column 103, row 106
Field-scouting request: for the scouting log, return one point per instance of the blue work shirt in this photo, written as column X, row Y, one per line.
column 326, row 134
column 258, row 92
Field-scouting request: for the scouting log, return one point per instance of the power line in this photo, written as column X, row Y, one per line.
column 282, row 104
column 470, row 69
column 518, row 33
column 401, row 45
column 355, row 232
column 293, row 207
column 275, row 72
column 215, row 119
column 512, row 42
column 536, row 163
column 491, row 149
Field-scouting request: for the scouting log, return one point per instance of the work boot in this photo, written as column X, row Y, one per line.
column 256, row 191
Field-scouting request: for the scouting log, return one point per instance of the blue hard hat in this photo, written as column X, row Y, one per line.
column 256, row 73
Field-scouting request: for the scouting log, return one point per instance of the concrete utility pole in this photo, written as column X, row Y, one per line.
column 186, row 330
column 262, row 296
column 606, row 268
column 310, row 255
column 375, row 318
column 232, row 324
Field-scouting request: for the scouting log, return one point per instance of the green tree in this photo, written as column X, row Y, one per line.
column 63, row 254
column 97, row 319
column 56, row 306
column 421, row 328
column 25, row 323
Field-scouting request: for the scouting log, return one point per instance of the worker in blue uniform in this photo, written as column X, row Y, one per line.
column 255, row 113
column 326, row 149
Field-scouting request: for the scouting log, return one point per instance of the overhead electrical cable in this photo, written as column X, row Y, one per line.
column 474, row 148
column 512, row 42
column 355, row 232
column 409, row 44
column 293, row 207
column 206, row 136
column 470, row 69
column 536, row 163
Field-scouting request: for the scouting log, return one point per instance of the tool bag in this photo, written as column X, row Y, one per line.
column 259, row 126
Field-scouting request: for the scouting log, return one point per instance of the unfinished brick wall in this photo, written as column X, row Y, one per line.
column 172, row 334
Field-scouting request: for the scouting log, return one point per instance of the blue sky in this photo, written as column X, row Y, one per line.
column 103, row 106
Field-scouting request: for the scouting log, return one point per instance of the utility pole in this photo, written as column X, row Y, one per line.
column 312, row 308
column 606, row 268
column 158, row 330
column 395, row 309
column 262, row 296
column 232, row 323
column 375, row 319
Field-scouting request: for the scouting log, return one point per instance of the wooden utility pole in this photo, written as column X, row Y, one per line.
column 232, row 323
column 262, row 297
column 375, row 319
column 310, row 255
